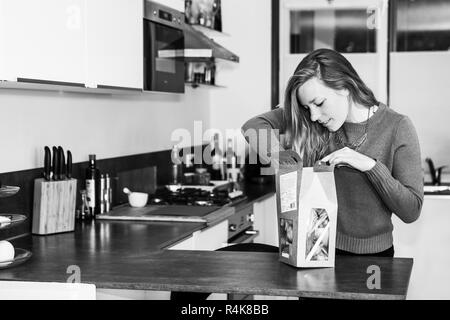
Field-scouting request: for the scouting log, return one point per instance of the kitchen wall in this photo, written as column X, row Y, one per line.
column 419, row 89
column 107, row 125
column 248, row 84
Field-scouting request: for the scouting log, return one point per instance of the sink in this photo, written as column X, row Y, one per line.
column 436, row 189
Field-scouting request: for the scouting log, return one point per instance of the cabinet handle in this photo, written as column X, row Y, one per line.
column 60, row 83
column 101, row 86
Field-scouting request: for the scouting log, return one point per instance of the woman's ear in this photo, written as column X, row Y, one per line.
column 343, row 92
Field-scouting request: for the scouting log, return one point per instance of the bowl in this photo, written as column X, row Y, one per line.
column 138, row 199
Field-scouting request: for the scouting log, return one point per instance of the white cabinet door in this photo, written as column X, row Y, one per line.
column 114, row 43
column 44, row 40
column 174, row 4
column 187, row 244
column 211, row 238
column 271, row 222
column 266, row 221
column 3, row 75
column 260, row 221
column 24, row 290
column 426, row 241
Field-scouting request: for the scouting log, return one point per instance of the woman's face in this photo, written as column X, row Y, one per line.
column 327, row 106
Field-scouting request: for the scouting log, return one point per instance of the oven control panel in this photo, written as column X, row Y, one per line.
column 242, row 219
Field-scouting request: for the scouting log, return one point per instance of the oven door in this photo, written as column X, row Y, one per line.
column 163, row 58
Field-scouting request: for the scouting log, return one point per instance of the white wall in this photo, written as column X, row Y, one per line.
column 107, row 125
column 419, row 88
column 248, row 84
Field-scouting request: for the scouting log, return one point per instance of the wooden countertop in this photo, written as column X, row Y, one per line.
column 218, row 271
column 130, row 255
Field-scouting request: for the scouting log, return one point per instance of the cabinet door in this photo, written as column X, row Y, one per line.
column 187, row 244
column 260, row 221
column 211, row 238
column 114, row 43
column 266, row 221
column 24, row 290
column 44, row 40
column 174, row 4
column 271, row 222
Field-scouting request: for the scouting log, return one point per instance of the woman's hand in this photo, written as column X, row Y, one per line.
column 351, row 157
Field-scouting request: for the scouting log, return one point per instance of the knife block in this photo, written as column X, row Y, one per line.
column 54, row 206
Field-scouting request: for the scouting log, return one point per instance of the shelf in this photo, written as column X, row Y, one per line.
column 196, row 85
column 209, row 32
column 8, row 191
column 20, row 256
column 14, row 220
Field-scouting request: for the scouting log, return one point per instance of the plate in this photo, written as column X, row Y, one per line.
column 20, row 256
column 15, row 219
column 8, row 191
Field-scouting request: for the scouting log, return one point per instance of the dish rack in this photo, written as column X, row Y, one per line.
column 20, row 255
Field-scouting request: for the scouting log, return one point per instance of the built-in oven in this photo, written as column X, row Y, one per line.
column 163, row 48
column 241, row 226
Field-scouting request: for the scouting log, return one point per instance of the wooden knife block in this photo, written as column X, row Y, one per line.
column 54, row 206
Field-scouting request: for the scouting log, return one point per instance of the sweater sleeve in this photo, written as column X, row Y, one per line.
column 263, row 133
column 401, row 190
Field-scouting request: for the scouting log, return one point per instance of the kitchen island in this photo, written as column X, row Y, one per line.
column 129, row 256
column 132, row 256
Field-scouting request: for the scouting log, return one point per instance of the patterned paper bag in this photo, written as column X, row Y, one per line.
column 306, row 214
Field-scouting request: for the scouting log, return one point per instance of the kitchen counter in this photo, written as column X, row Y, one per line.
column 129, row 255
column 134, row 265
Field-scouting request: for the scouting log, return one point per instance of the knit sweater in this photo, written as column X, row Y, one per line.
column 366, row 200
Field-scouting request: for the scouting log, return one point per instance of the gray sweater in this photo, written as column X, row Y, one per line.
column 366, row 200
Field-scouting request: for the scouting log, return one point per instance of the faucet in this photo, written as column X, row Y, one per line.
column 435, row 173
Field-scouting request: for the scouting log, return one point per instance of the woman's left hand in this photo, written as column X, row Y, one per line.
column 351, row 157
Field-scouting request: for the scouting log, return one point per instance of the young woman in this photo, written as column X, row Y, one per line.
column 329, row 114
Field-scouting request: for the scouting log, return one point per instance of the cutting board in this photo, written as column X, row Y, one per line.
column 178, row 213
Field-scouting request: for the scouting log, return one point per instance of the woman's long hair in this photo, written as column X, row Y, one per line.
column 310, row 139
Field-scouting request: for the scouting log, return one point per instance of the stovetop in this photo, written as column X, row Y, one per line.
column 194, row 197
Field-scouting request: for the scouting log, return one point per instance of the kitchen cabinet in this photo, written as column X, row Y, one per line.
column 24, row 290
column 114, row 43
column 186, row 244
column 266, row 221
column 174, row 4
column 426, row 241
column 44, row 40
column 211, row 238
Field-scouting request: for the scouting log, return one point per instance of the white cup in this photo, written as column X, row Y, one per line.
column 137, row 199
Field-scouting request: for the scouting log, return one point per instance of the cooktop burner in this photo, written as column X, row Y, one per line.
column 192, row 197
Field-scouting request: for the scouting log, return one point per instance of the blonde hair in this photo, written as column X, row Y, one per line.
column 310, row 139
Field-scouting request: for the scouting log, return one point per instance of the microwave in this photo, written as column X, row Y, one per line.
column 163, row 48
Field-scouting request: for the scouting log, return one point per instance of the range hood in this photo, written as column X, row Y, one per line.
column 198, row 45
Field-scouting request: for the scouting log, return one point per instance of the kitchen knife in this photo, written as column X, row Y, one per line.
column 69, row 164
column 55, row 163
column 47, row 163
column 62, row 164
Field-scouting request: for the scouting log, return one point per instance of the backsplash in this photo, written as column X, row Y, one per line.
column 22, row 202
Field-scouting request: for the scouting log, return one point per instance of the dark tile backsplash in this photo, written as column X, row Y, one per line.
column 22, row 202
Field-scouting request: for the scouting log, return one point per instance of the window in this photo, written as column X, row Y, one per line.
column 420, row 25
column 344, row 30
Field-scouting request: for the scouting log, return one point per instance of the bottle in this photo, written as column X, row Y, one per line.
column 231, row 161
column 93, row 186
column 108, row 193
column 102, row 202
column 217, row 159
column 176, row 165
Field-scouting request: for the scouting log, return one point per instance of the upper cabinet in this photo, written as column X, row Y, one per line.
column 43, row 40
column 81, row 43
column 174, row 4
column 114, row 43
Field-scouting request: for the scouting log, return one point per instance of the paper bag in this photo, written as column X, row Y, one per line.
column 306, row 214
